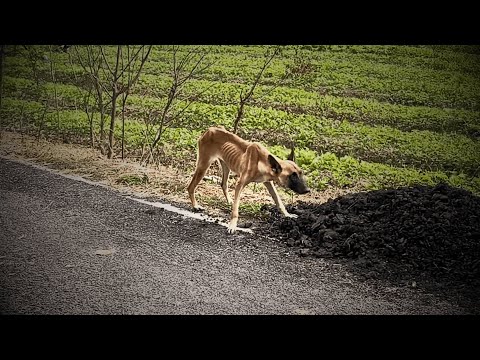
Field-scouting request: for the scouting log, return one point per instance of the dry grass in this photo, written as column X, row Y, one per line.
column 165, row 182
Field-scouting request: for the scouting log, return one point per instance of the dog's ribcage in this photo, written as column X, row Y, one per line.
column 231, row 154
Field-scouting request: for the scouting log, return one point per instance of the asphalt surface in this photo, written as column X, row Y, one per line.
column 158, row 262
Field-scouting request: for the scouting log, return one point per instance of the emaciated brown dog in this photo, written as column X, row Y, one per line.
column 251, row 161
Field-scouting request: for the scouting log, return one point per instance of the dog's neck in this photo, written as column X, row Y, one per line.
column 265, row 173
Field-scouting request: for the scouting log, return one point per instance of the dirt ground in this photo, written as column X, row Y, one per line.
column 416, row 236
column 168, row 182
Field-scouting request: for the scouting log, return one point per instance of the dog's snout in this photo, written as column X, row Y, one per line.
column 298, row 184
column 300, row 190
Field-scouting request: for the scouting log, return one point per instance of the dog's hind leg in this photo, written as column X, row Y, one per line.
column 202, row 167
column 225, row 174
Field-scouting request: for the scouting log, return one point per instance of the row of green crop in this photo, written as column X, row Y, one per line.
column 300, row 101
column 422, row 149
column 297, row 100
column 347, row 74
column 455, row 56
column 450, row 58
column 341, row 73
column 66, row 94
column 323, row 169
column 327, row 169
column 31, row 117
column 457, row 49
column 342, row 76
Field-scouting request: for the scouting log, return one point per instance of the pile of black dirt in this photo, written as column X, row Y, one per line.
column 399, row 234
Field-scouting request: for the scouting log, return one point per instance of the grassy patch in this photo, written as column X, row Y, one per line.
column 133, row 179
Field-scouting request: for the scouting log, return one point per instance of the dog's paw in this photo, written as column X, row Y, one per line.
column 293, row 216
column 198, row 208
column 232, row 228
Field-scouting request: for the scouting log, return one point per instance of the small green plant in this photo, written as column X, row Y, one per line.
column 131, row 179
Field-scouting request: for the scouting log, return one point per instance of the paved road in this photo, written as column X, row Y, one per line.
column 162, row 263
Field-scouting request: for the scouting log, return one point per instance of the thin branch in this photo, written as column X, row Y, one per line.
column 244, row 99
column 79, row 58
column 192, row 70
column 144, row 59
column 185, row 60
column 280, row 83
column 106, row 62
column 176, row 116
column 259, row 75
column 130, row 59
column 205, row 67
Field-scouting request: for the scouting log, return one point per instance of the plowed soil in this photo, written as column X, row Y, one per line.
column 416, row 236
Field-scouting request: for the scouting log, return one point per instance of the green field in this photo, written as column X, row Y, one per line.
column 367, row 117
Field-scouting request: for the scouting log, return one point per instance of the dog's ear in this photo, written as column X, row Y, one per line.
column 291, row 156
column 276, row 167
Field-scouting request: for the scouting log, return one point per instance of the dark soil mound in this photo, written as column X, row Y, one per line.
column 401, row 234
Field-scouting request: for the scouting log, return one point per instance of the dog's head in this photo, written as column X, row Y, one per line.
column 288, row 174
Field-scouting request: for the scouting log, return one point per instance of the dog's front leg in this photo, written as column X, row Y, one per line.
column 232, row 227
column 278, row 201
